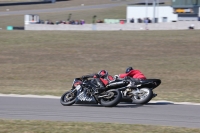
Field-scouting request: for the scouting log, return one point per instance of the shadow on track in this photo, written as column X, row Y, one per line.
column 131, row 105
column 124, row 105
column 118, row 106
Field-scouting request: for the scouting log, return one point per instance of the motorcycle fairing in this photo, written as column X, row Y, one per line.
column 151, row 83
column 83, row 98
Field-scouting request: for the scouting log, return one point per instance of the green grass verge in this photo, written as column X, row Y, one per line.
column 18, row 126
column 45, row 62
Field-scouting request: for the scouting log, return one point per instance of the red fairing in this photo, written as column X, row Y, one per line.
column 134, row 74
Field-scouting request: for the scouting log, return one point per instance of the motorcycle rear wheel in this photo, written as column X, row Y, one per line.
column 68, row 98
column 143, row 98
column 113, row 101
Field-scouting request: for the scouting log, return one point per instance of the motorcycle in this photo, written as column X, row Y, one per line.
column 142, row 93
column 83, row 92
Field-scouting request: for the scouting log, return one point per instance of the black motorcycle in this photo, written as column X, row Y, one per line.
column 83, row 92
column 142, row 93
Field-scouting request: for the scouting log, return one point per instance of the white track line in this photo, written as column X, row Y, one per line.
column 184, row 103
column 57, row 97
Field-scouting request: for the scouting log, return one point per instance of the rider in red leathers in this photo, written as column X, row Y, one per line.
column 136, row 76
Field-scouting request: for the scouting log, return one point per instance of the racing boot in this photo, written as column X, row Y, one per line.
column 154, row 95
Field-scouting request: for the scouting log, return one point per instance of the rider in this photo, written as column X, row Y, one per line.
column 102, row 78
column 136, row 76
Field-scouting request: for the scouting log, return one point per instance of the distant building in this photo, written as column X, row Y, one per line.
column 186, row 9
column 31, row 19
column 179, row 10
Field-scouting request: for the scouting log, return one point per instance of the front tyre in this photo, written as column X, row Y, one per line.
column 68, row 98
column 111, row 99
column 143, row 97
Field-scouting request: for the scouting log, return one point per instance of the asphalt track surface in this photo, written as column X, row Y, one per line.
column 158, row 113
column 76, row 8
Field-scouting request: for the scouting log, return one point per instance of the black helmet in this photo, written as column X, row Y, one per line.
column 128, row 69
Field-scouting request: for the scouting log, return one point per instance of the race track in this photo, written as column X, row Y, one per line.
column 160, row 113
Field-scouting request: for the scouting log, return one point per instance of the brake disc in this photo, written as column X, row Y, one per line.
column 69, row 96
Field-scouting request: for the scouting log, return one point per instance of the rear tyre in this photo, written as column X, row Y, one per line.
column 143, row 98
column 68, row 98
column 113, row 98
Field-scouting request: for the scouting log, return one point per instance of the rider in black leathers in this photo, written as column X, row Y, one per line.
column 102, row 79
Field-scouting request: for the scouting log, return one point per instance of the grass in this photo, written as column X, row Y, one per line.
column 43, row 62
column 61, row 4
column 19, row 126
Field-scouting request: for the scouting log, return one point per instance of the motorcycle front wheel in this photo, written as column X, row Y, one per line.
column 68, row 98
column 111, row 98
column 144, row 97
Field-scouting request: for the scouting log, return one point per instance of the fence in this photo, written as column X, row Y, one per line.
column 107, row 27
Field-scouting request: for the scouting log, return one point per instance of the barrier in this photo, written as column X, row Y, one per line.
column 9, row 27
column 109, row 27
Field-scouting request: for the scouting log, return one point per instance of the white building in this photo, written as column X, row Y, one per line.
column 31, row 19
column 161, row 13
column 179, row 10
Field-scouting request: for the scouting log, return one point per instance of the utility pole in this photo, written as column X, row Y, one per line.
column 158, row 10
column 154, row 10
column 147, row 8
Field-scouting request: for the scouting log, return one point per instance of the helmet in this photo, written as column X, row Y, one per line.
column 103, row 73
column 128, row 69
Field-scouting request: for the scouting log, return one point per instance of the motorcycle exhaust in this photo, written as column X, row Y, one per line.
column 116, row 84
column 122, row 89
